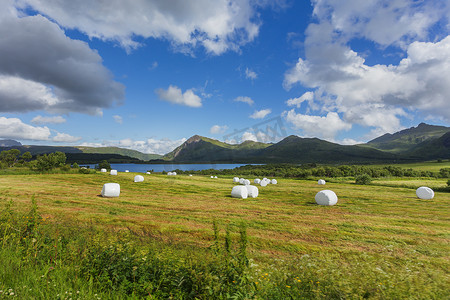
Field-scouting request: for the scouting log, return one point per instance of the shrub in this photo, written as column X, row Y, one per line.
column 363, row 179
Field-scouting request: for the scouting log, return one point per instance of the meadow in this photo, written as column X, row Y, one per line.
column 181, row 237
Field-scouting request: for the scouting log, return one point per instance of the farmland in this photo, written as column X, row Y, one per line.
column 379, row 241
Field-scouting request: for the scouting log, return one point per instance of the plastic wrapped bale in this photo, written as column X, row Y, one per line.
column 321, row 182
column 126, row 171
column 263, row 183
column 190, row 175
column 103, row 170
column 273, row 181
column 113, row 172
column 138, row 178
column 247, row 182
column 252, row 191
column 148, row 173
column 257, row 181
column 326, row 197
column 174, row 173
column 236, row 179
column 212, row 176
column 239, row 191
column 169, row 174
column 241, row 180
column 215, row 176
column 111, row 190
column 425, row 193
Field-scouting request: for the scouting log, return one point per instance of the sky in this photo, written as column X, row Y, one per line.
column 148, row 74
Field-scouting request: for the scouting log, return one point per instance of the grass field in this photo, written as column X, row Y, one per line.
column 380, row 241
column 432, row 166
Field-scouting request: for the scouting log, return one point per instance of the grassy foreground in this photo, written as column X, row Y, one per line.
column 184, row 238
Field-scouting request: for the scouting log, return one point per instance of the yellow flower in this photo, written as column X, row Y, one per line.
column 288, row 286
column 299, row 280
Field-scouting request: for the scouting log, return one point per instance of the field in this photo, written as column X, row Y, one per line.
column 380, row 241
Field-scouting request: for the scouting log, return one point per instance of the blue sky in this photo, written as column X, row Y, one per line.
column 147, row 75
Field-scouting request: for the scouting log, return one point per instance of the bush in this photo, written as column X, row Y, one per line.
column 363, row 179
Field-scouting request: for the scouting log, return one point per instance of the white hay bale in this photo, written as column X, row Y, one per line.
column 236, row 179
column 113, row 172
column 138, row 178
column 241, row 180
column 257, row 181
column 148, row 173
column 247, row 182
column 264, row 178
column 252, row 191
column 103, row 170
column 321, row 182
column 111, row 190
column 215, row 176
column 239, row 191
column 174, row 173
column 169, row 174
column 326, row 197
column 425, row 193
column 126, row 171
column 263, row 183
column 190, row 175
column 212, row 176
column 274, row 181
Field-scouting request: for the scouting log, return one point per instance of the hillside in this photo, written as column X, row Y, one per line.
column 432, row 149
column 292, row 149
column 408, row 139
column 120, row 151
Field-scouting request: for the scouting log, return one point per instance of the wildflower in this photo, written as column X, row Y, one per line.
column 288, row 286
column 299, row 280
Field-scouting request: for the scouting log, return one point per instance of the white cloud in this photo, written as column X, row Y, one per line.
column 48, row 120
column 42, row 69
column 13, row 128
column 260, row 114
column 249, row 74
column 258, row 136
column 374, row 95
column 65, row 138
column 217, row 129
column 174, row 94
column 325, row 127
column 218, row 26
column 308, row 96
column 118, row 119
column 244, row 99
column 155, row 146
column 249, row 136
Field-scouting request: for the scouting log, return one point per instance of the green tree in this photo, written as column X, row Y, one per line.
column 50, row 161
column 363, row 179
column 9, row 157
column 104, row 165
column 26, row 156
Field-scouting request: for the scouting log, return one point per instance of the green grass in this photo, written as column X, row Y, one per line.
column 380, row 241
column 432, row 166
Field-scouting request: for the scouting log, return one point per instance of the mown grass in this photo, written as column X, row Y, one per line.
column 380, row 241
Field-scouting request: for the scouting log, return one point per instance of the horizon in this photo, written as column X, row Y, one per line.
column 154, row 76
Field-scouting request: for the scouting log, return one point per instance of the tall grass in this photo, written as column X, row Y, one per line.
column 59, row 258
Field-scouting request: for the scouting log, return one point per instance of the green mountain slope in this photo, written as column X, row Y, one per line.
column 201, row 149
column 432, row 149
column 120, row 151
column 291, row 149
column 407, row 139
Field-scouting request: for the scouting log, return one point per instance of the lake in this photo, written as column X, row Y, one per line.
column 142, row 168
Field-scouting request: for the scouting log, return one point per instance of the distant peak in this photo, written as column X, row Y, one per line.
column 194, row 139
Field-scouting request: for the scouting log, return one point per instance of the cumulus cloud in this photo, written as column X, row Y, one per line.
column 118, row 119
column 249, row 74
column 65, row 138
column 218, row 26
column 325, row 127
column 42, row 69
column 13, row 128
column 244, row 99
column 260, row 114
column 374, row 95
column 48, row 120
column 174, row 95
column 257, row 136
column 217, row 129
column 155, row 146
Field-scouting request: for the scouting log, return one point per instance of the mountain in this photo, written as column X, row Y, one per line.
column 87, row 154
column 292, row 149
column 202, row 149
column 9, row 143
column 432, row 149
column 406, row 140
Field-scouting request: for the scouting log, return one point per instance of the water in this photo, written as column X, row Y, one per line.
column 142, row 168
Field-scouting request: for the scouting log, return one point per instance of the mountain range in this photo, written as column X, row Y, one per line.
column 424, row 142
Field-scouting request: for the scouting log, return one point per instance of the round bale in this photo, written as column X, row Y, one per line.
column 236, row 179
column 263, row 183
column 138, row 178
column 326, row 197
column 425, row 193
column 103, row 170
column 111, row 190
column 113, row 172
column 252, row 191
column 257, row 181
column 321, row 182
column 239, row 191
column 274, row 181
